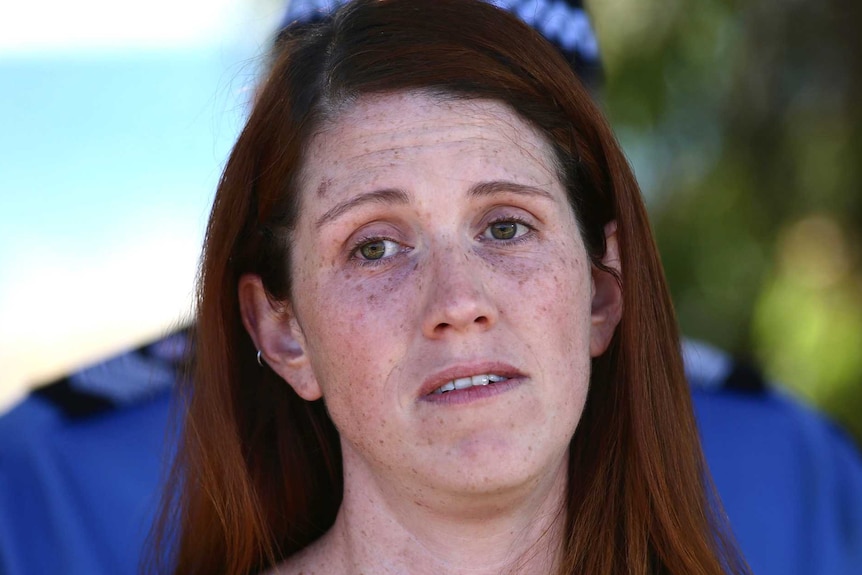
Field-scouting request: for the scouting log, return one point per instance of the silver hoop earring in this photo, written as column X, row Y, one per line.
column 259, row 360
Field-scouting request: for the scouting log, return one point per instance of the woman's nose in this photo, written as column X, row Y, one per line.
column 456, row 296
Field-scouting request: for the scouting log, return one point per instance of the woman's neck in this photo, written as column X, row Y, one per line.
column 391, row 529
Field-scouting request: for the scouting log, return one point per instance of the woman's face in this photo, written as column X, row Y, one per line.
column 436, row 248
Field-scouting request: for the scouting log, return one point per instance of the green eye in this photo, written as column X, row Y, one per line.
column 377, row 250
column 504, row 230
column 373, row 250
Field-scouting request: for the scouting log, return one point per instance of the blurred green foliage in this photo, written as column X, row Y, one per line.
column 743, row 121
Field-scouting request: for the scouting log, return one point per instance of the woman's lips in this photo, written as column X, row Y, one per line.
column 465, row 382
column 472, row 393
column 469, row 381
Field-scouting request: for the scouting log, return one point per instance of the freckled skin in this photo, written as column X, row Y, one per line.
column 449, row 294
column 356, row 320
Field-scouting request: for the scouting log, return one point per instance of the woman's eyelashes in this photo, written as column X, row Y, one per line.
column 508, row 229
column 378, row 250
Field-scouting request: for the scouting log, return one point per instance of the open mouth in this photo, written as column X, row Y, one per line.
column 467, row 382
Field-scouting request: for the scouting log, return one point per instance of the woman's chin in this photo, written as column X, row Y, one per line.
column 488, row 468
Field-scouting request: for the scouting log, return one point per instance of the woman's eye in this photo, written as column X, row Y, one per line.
column 377, row 249
column 506, row 230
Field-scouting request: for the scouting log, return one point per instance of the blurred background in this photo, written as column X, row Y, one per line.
column 115, row 121
column 742, row 121
column 744, row 125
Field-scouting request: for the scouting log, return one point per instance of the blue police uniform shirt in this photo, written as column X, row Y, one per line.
column 82, row 459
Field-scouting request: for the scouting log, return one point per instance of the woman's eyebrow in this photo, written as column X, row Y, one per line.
column 386, row 196
column 396, row 196
column 503, row 187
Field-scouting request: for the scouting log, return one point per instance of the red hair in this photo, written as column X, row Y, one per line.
column 258, row 473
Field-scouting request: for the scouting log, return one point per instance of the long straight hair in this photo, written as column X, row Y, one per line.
column 258, row 472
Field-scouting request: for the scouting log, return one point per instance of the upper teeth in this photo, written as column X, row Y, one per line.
column 465, row 382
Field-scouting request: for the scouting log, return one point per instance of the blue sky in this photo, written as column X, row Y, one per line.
column 110, row 150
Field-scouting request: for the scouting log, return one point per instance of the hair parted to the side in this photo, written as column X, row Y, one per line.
column 258, row 472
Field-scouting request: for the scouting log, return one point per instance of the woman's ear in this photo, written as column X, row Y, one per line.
column 607, row 304
column 276, row 332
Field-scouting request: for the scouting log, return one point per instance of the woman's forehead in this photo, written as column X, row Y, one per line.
column 382, row 131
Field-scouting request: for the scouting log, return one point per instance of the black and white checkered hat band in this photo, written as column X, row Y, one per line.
column 563, row 22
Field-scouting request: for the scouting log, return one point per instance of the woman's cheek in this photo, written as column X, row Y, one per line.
column 361, row 320
column 543, row 273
